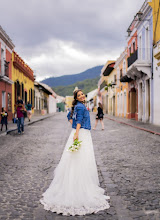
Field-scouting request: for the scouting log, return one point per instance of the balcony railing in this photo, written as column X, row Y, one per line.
column 132, row 58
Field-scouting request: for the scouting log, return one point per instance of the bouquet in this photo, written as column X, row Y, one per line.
column 75, row 146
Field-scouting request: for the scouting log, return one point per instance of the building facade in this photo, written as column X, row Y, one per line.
column 23, row 78
column 68, row 102
column 43, row 101
column 91, row 97
column 106, row 94
column 140, row 65
column 122, row 108
column 156, row 60
column 6, row 48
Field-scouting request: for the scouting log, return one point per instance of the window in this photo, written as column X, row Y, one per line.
column 45, row 102
column 31, row 95
column 115, row 79
column 22, row 86
column 129, row 51
column 121, row 73
column 2, row 61
column 140, row 48
column 9, row 101
column 134, row 47
column 124, row 67
column 147, row 44
column 3, row 99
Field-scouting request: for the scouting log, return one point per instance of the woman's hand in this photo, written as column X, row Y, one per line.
column 75, row 137
column 71, row 121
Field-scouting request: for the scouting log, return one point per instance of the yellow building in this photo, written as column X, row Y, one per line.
column 68, row 101
column 106, row 87
column 122, row 105
column 155, row 4
column 23, row 78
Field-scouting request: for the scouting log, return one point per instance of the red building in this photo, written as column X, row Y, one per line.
column 6, row 48
column 132, row 50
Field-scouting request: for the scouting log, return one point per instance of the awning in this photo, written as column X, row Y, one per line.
column 125, row 79
column 109, row 69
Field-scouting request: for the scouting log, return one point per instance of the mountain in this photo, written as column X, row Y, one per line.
column 86, row 85
column 71, row 79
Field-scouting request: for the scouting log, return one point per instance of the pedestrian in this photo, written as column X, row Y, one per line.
column 4, row 120
column 29, row 111
column 99, row 116
column 19, row 101
column 75, row 187
column 20, row 118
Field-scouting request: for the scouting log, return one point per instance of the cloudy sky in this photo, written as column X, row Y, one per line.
column 59, row 37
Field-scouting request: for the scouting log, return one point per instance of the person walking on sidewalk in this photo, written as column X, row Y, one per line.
column 99, row 116
column 20, row 116
column 29, row 111
column 4, row 120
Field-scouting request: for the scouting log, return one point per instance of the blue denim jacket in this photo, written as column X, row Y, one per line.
column 80, row 116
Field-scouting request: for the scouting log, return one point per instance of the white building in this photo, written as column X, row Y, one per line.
column 140, row 68
column 156, row 84
column 45, row 99
column 90, row 99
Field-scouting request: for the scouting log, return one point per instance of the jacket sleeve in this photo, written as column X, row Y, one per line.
column 80, row 114
column 69, row 116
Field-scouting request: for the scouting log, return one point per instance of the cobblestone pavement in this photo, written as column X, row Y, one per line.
column 127, row 160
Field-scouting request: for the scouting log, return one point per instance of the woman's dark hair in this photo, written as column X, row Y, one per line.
column 100, row 105
column 75, row 100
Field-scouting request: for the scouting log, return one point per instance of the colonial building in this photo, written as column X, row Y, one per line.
column 106, row 94
column 6, row 48
column 156, row 60
column 68, row 102
column 52, row 99
column 132, row 55
column 140, row 64
column 91, row 100
column 122, row 107
column 42, row 93
column 23, row 78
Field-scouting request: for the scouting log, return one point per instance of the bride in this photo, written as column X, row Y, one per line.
column 75, row 187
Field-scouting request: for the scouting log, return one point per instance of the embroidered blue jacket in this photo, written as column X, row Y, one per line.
column 80, row 116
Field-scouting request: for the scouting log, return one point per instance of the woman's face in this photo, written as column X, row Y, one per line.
column 80, row 96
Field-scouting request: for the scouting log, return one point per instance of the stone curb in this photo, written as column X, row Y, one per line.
column 137, row 127
column 30, row 123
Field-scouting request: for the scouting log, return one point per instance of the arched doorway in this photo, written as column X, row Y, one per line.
column 133, row 103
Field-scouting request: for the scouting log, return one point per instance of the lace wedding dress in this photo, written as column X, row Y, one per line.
column 75, row 187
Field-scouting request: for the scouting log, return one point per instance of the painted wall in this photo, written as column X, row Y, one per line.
column 19, row 75
column 155, row 4
column 68, row 101
column 122, row 90
column 5, row 86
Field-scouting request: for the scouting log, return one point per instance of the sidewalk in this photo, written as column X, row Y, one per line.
column 13, row 126
column 136, row 124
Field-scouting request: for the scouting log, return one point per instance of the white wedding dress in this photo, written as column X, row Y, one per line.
column 75, row 187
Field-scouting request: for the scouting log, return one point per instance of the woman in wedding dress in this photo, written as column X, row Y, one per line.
column 75, row 187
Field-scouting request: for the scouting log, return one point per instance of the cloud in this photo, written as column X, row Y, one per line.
column 65, row 37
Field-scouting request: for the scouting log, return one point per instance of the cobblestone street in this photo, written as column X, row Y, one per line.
column 127, row 159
